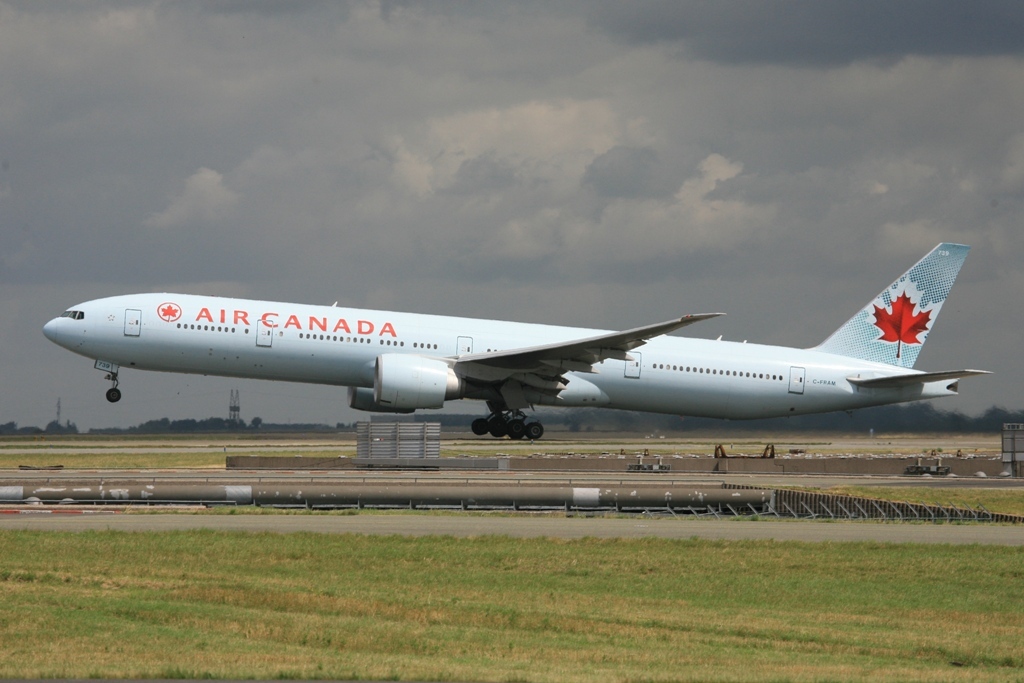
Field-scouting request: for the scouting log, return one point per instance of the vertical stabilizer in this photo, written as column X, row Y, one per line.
column 893, row 328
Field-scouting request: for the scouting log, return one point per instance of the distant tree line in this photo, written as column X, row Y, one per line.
column 215, row 424
column 919, row 417
column 54, row 427
column 915, row 417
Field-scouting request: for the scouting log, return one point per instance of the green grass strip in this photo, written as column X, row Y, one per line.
column 238, row 605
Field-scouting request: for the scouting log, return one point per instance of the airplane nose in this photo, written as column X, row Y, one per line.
column 50, row 330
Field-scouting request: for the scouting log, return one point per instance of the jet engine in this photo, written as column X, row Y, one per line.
column 361, row 398
column 404, row 383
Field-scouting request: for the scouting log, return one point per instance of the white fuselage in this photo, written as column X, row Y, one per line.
column 339, row 346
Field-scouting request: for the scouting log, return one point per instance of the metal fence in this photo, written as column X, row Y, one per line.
column 398, row 439
column 812, row 505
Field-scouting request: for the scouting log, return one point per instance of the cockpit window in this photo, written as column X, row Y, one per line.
column 74, row 315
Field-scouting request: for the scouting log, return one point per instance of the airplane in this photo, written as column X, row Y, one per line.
column 394, row 362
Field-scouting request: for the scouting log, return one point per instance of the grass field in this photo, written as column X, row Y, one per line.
column 208, row 604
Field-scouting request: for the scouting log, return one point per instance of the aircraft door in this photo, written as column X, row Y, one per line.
column 465, row 345
column 796, row 380
column 264, row 334
column 132, row 322
column 633, row 366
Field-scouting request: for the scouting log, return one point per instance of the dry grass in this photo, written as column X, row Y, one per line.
column 198, row 604
column 117, row 460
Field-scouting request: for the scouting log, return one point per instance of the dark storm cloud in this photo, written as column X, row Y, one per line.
column 816, row 33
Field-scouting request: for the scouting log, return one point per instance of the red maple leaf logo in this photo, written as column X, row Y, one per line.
column 901, row 325
column 169, row 312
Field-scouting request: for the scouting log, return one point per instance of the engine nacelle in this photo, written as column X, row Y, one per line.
column 405, row 382
column 361, row 398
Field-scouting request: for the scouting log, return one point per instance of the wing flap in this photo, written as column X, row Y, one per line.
column 563, row 365
column 897, row 381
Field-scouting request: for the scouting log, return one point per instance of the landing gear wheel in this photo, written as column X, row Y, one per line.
column 497, row 427
column 504, row 422
column 516, row 429
column 113, row 393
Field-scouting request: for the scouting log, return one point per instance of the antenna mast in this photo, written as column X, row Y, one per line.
column 234, row 409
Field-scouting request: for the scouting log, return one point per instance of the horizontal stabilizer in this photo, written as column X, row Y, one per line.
column 898, row 381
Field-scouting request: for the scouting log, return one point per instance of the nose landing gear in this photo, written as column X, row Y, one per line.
column 510, row 423
column 113, row 393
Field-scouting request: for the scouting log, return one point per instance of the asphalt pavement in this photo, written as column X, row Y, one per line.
column 523, row 526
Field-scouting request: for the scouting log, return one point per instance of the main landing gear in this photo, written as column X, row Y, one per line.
column 510, row 423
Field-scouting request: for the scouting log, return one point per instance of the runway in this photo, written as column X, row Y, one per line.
column 525, row 526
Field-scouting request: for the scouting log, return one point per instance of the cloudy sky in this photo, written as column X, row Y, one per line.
column 603, row 164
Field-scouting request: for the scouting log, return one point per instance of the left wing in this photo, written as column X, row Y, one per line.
column 542, row 367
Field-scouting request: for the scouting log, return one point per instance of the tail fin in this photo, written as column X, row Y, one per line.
column 893, row 328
